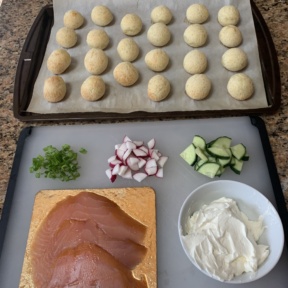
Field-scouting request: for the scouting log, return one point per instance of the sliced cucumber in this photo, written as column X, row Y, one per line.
column 222, row 141
column 199, row 163
column 209, row 169
column 189, row 155
column 199, row 141
column 212, row 159
column 237, row 166
column 224, row 162
column 219, row 152
column 238, row 151
column 220, row 171
column 201, row 154
column 245, row 157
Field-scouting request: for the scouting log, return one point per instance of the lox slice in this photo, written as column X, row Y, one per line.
column 73, row 232
column 89, row 265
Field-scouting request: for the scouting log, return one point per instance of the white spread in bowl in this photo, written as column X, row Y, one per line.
column 223, row 241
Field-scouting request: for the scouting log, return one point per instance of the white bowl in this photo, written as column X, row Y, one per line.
column 253, row 204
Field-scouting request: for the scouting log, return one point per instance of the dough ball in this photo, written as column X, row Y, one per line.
column 240, row 86
column 158, row 88
column 73, row 19
column 66, row 37
column 157, row 60
column 195, row 62
column 101, row 15
column 128, row 49
column 95, row 61
column 158, row 34
column 197, row 13
column 161, row 14
column 58, row 61
column 234, row 59
column 93, row 88
column 131, row 24
column 97, row 38
column 228, row 15
column 230, row 36
column 195, row 35
column 54, row 89
column 198, row 86
column 125, row 74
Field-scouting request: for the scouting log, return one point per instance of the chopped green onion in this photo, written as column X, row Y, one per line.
column 83, row 151
column 57, row 164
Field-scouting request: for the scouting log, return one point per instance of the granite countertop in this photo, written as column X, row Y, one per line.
column 16, row 18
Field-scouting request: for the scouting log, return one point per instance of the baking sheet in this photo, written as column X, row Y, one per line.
column 174, row 268
column 124, row 100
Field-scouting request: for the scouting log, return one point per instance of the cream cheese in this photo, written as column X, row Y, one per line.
column 223, row 241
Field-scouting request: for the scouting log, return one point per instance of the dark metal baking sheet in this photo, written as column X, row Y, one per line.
column 174, row 269
column 34, row 49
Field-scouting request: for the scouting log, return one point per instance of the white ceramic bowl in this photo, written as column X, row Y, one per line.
column 253, row 204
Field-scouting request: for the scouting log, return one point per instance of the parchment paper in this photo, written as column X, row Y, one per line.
column 124, row 100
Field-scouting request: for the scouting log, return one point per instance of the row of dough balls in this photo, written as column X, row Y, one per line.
column 92, row 89
column 157, row 59
column 240, row 86
column 125, row 73
column 234, row 59
column 96, row 61
column 59, row 60
column 198, row 85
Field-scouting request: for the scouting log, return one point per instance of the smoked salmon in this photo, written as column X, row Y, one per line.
column 88, row 231
column 82, row 240
column 88, row 265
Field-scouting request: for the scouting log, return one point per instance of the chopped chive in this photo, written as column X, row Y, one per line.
column 57, row 164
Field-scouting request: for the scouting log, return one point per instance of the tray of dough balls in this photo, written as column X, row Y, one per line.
column 119, row 58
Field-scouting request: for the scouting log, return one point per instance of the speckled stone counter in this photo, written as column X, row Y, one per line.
column 16, row 18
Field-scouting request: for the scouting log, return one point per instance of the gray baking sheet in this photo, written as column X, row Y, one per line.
column 124, row 100
column 174, row 268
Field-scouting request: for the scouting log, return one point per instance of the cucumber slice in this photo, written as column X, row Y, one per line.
column 220, row 171
column 212, row 159
column 238, row 151
column 199, row 163
column 209, row 169
column 224, row 162
column 189, row 155
column 245, row 157
column 199, row 141
column 201, row 154
column 219, row 152
column 237, row 166
column 223, row 141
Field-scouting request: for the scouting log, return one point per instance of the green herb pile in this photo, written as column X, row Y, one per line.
column 57, row 164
